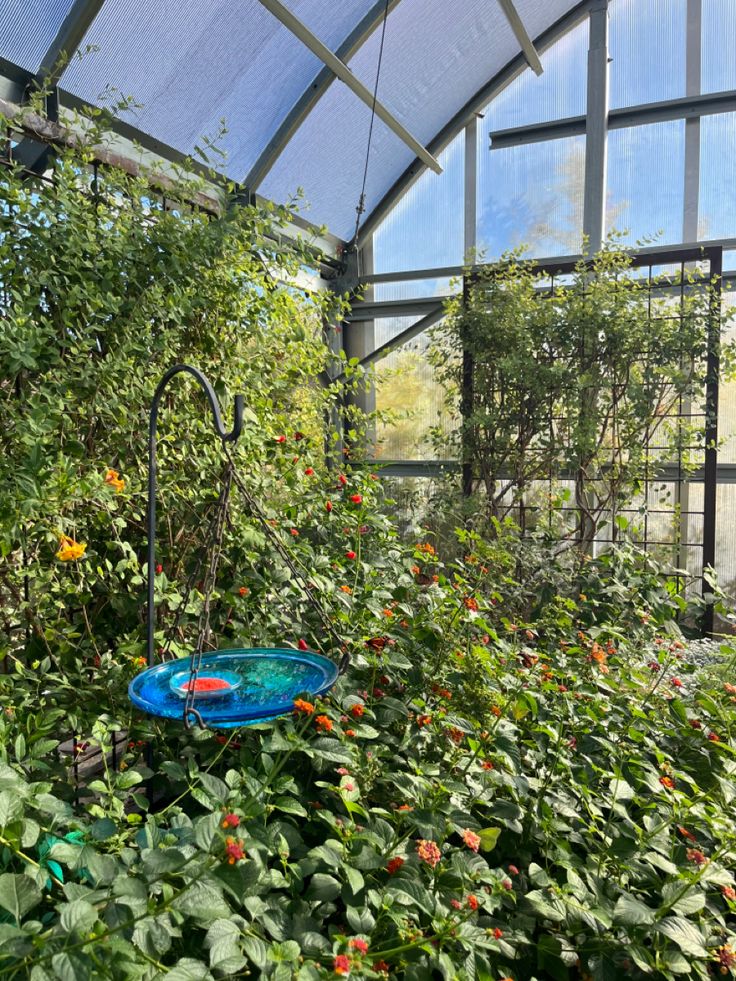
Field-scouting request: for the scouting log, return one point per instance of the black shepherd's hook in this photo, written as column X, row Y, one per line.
column 153, row 418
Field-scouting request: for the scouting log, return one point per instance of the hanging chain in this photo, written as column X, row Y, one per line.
column 208, row 586
column 360, row 209
column 195, row 576
column 291, row 562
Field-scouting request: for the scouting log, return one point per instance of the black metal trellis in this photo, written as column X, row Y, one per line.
column 710, row 263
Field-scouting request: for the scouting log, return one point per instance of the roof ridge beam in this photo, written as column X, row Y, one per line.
column 311, row 95
column 339, row 68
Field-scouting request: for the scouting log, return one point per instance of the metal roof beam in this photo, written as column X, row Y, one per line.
column 311, row 96
column 70, row 35
column 525, row 42
column 688, row 107
column 339, row 68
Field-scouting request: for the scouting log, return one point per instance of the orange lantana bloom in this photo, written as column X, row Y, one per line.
column 69, row 550
column 113, row 478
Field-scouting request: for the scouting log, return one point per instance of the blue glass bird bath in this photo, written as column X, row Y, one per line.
column 268, row 680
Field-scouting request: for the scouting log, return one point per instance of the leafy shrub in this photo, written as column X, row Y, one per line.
column 510, row 780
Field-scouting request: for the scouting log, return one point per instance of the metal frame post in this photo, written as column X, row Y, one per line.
column 596, row 129
column 710, row 475
column 471, row 188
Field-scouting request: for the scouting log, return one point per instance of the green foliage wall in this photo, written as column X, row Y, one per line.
column 101, row 290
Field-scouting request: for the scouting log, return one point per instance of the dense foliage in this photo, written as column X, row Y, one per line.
column 519, row 775
column 580, row 385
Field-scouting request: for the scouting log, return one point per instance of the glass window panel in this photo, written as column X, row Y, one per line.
column 412, row 289
column 717, row 63
column 426, row 228
column 647, row 50
column 717, row 200
column 725, row 543
column 531, row 195
column 28, row 27
column 406, row 388
column 727, row 389
column 559, row 92
column 646, row 167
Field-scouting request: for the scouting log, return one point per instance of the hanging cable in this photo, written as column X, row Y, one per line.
column 360, row 209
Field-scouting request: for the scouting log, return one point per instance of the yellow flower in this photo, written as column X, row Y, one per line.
column 69, row 550
column 114, row 480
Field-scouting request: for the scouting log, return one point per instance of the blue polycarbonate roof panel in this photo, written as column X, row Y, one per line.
column 27, row 28
column 437, row 55
column 194, row 67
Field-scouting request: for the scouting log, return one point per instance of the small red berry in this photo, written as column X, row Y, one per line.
column 350, row 554
column 159, row 570
column 302, row 645
column 356, row 498
column 328, row 506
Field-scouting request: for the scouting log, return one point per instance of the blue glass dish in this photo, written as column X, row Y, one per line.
column 270, row 679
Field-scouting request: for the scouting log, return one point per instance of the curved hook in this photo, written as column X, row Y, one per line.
column 226, row 437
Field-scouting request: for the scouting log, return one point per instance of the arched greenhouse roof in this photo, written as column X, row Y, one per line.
column 189, row 66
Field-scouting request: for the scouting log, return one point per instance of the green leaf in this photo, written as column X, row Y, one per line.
column 542, row 906
column 153, row 936
column 629, row 911
column 11, row 808
column 685, row 934
column 187, row 969
column 360, row 920
column 488, row 838
column 77, row 917
column 217, row 789
column 323, row 887
column 692, row 901
column 290, row 805
column 71, row 967
column 256, row 950
column 18, row 894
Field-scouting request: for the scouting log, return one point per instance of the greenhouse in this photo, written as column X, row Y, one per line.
column 368, row 490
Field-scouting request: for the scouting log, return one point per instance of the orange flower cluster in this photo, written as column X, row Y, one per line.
column 324, row 724
column 471, row 839
column 234, row 850
column 341, row 965
column 394, row 864
column 470, row 603
column 426, row 548
column 667, row 782
column 428, row 852
column 423, row 720
column 113, row 478
column 69, row 550
column 300, row 706
column 695, row 856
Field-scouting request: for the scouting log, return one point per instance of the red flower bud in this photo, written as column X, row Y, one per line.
column 309, row 472
column 328, row 506
column 159, row 570
column 356, row 498
column 342, row 479
column 302, row 645
column 281, row 439
column 350, row 554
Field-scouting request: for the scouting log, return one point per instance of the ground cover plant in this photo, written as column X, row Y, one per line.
column 520, row 775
